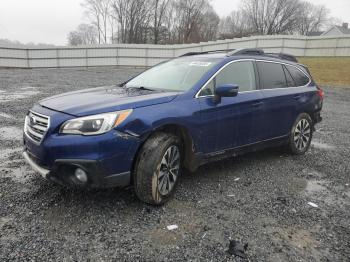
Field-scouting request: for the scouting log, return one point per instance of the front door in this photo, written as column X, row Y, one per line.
column 233, row 121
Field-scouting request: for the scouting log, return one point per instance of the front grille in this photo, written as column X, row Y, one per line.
column 36, row 126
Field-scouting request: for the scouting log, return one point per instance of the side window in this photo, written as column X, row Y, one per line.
column 208, row 90
column 238, row 73
column 271, row 75
column 299, row 77
column 290, row 81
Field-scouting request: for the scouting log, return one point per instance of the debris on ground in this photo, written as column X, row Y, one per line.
column 282, row 199
column 312, row 204
column 238, row 249
column 172, row 227
column 206, row 228
column 236, row 179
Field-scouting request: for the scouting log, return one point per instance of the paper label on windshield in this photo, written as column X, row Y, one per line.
column 199, row 63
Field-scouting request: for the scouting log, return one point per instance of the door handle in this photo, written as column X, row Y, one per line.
column 257, row 104
column 296, row 97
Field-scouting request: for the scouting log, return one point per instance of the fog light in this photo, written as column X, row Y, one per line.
column 81, row 175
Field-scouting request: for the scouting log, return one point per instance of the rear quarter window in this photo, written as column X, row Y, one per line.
column 298, row 76
column 289, row 78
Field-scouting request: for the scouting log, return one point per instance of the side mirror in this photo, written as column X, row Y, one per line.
column 227, row 90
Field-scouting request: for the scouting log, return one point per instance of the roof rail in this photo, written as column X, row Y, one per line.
column 247, row 51
column 284, row 56
column 207, row 52
column 258, row 51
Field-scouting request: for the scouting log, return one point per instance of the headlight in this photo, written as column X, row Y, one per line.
column 94, row 125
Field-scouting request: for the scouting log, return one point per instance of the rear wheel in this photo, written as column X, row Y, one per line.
column 301, row 134
column 158, row 168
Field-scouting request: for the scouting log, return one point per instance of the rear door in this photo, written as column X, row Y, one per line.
column 234, row 121
column 282, row 96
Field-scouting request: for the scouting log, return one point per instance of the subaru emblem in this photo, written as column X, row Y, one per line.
column 32, row 120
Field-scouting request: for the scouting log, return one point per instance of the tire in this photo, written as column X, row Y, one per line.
column 301, row 135
column 160, row 159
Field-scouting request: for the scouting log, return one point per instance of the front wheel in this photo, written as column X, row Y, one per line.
column 158, row 168
column 301, row 134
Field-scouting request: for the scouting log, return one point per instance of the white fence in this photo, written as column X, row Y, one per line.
column 148, row 55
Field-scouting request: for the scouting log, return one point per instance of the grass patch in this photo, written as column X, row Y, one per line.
column 329, row 71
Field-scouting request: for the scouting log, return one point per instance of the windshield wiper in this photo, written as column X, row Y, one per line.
column 141, row 88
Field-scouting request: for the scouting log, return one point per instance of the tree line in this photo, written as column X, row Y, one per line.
column 191, row 21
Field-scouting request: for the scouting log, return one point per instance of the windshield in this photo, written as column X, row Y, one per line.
column 179, row 74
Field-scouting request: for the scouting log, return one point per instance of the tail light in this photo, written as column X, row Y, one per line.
column 320, row 93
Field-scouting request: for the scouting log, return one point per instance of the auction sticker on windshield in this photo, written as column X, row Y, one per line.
column 200, row 63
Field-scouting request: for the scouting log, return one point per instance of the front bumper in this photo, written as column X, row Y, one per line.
column 42, row 171
column 107, row 158
column 63, row 173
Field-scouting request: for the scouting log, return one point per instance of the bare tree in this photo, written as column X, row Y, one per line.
column 84, row 35
column 74, row 38
column 209, row 24
column 312, row 18
column 189, row 19
column 234, row 25
column 160, row 8
column 99, row 11
column 268, row 17
column 133, row 18
column 156, row 21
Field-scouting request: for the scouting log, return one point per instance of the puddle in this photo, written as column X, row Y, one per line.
column 4, row 115
column 11, row 133
column 5, row 153
column 12, row 165
column 29, row 88
column 19, row 174
column 314, row 186
column 314, row 175
column 323, row 146
column 24, row 92
column 320, row 193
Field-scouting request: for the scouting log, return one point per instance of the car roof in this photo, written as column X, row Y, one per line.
column 248, row 53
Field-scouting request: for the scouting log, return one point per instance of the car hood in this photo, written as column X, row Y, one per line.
column 105, row 99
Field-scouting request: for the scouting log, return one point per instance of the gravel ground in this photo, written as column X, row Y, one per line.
column 260, row 199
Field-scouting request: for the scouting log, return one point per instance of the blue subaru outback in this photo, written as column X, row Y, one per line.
column 180, row 114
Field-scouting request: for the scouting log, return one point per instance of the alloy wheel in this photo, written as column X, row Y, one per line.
column 302, row 134
column 169, row 170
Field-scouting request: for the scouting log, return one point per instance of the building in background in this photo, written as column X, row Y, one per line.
column 315, row 33
column 338, row 30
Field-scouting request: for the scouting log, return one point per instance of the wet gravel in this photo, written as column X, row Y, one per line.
column 260, row 199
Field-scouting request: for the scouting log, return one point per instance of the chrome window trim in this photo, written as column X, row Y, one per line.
column 255, row 60
column 217, row 72
column 286, row 64
column 44, row 134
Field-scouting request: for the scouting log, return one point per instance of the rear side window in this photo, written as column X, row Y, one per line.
column 271, row 75
column 299, row 77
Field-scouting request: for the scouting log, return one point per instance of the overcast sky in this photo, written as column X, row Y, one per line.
column 49, row 21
